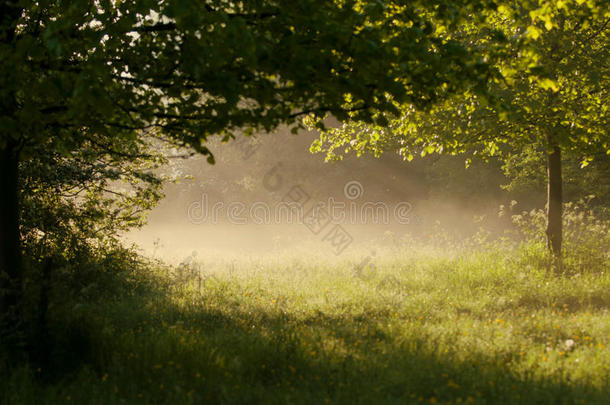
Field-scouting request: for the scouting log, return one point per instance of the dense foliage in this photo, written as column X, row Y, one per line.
column 553, row 83
column 551, row 94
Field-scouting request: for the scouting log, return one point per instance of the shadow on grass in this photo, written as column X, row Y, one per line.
column 599, row 300
column 133, row 350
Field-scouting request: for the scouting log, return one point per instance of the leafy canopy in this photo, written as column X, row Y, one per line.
column 553, row 84
column 86, row 85
column 189, row 70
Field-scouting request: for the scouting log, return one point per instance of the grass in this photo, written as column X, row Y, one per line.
column 404, row 326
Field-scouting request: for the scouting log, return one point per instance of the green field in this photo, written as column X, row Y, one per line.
column 408, row 325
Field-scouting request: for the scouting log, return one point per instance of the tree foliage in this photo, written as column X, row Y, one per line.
column 82, row 69
column 551, row 91
column 88, row 198
column 554, row 82
column 82, row 81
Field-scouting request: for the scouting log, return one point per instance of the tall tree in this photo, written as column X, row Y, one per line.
column 74, row 72
column 553, row 92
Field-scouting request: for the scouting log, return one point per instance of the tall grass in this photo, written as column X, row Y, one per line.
column 407, row 325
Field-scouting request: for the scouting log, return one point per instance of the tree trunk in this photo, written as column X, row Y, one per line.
column 554, row 204
column 10, row 243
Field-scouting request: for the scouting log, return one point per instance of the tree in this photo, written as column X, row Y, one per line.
column 88, row 198
column 553, row 93
column 526, row 175
column 78, row 73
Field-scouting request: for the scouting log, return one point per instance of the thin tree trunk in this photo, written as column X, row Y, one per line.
column 554, row 204
column 10, row 243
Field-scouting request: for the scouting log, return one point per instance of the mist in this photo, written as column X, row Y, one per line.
column 240, row 205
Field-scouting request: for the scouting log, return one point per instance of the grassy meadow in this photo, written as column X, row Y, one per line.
column 409, row 324
column 270, row 202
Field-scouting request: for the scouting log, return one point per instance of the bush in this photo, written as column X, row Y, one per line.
column 586, row 234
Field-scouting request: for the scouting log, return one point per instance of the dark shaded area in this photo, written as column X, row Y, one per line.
column 128, row 328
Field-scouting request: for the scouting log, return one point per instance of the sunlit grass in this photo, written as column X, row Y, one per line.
column 409, row 326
